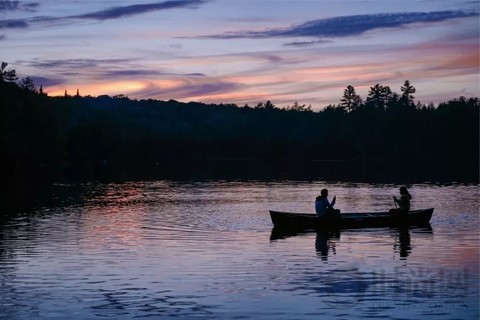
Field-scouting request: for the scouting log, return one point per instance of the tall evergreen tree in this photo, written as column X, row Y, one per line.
column 407, row 93
column 350, row 100
column 379, row 96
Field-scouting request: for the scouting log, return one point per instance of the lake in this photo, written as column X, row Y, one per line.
column 205, row 250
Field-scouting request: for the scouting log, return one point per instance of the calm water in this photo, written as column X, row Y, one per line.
column 205, row 250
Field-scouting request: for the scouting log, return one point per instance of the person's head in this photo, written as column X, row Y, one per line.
column 404, row 190
column 324, row 192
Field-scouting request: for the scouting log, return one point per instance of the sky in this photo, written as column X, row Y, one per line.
column 244, row 51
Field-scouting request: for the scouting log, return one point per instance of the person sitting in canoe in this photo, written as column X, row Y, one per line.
column 403, row 202
column 324, row 207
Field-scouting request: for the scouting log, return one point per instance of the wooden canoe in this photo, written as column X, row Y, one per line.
column 303, row 221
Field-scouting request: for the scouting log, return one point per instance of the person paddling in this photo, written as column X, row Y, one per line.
column 403, row 202
column 324, row 207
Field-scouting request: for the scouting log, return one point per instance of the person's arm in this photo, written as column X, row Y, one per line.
column 327, row 204
column 333, row 201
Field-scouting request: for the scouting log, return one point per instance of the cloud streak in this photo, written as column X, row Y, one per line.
column 18, row 6
column 189, row 89
column 305, row 43
column 108, row 68
column 69, row 63
column 101, row 15
column 125, row 11
column 13, row 24
column 345, row 26
column 47, row 81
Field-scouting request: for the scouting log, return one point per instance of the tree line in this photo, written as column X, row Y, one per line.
column 385, row 133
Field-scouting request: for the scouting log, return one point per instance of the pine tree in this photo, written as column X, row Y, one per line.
column 350, row 100
column 407, row 95
column 379, row 96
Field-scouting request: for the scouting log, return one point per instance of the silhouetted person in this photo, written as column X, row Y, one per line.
column 403, row 202
column 323, row 207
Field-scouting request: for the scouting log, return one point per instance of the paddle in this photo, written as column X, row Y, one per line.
column 393, row 211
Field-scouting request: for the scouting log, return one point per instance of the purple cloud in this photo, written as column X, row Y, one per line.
column 195, row 74
column 189, row 89
column 107, row 14
column 124, row 11
column 13, row 24
column 305, row 43
column 129, row 73
column 347, row 25
column 208, row 88
column 44, row 81
column 18, row 6
column 74, row 63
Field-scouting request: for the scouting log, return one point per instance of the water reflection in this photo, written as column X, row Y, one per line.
column 326, row 240
column 170, row 250
column 403, row 244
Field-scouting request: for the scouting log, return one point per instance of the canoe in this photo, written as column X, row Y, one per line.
column 303, row 221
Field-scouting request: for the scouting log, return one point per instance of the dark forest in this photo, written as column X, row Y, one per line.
column 387, row 135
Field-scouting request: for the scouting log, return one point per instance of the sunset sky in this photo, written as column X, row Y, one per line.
column 244, row 51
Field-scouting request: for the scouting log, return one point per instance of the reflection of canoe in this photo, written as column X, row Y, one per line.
column 302, row 221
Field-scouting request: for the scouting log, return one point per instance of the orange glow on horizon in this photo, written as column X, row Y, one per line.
column 97, row 88
column 112, row 88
